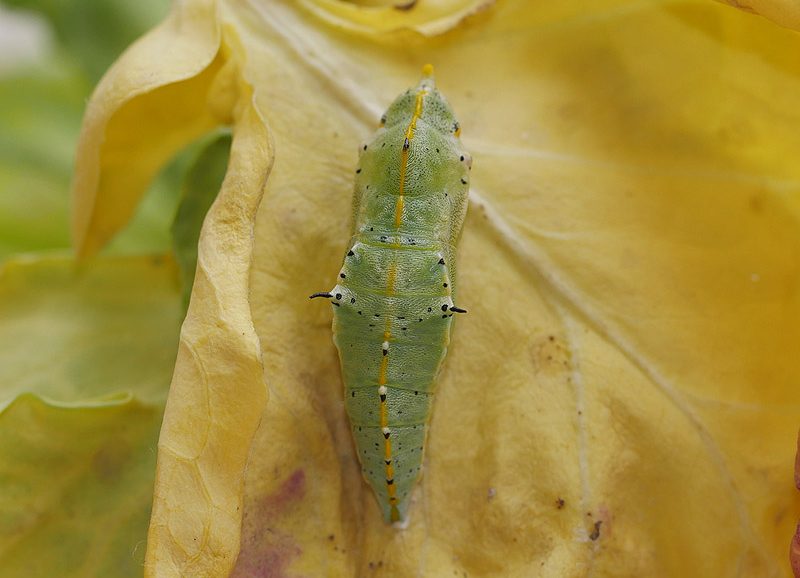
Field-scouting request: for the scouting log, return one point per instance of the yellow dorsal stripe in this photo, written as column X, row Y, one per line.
column 398, row 210
column 382, row 374
column 394, row 514
column 391, row 278
column 409, row 136
column 391, row 488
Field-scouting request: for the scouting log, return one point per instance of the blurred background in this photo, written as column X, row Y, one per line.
column 86, row 352
column 52, row 54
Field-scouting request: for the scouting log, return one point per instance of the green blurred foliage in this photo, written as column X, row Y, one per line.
column 87, row 358
column 77, row 334
column 200, row 188
column 87, row 350
column 40, row 111
column 41, row 107
column 92, row 33
column 77, row 486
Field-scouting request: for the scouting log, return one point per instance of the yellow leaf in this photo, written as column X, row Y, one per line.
column 152, row 102
column 388, row 16
column 173, row 85
column 621, row 398
column 217, row 393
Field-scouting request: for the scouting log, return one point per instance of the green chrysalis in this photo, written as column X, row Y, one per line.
column 393, row 304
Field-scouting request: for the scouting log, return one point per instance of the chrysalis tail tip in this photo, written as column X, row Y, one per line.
column 427, row 76
column 396, row 521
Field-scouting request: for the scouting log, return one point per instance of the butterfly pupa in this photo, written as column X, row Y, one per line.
column 394, row 300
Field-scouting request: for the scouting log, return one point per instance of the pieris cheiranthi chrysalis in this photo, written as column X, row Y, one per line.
column 393, row 303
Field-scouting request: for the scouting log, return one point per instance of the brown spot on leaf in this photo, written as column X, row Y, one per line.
column 741, row 6
column 794, row 547
column 292, row 489
column 549, row 356
column 268, row 551
column 109, row 461
column 797, row 465
column 794, row 552
column 757, row 202
column 596, row 532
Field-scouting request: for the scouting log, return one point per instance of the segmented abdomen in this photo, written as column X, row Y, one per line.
column 392, row 328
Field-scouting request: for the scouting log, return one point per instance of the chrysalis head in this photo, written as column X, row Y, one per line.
column 432, row 107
